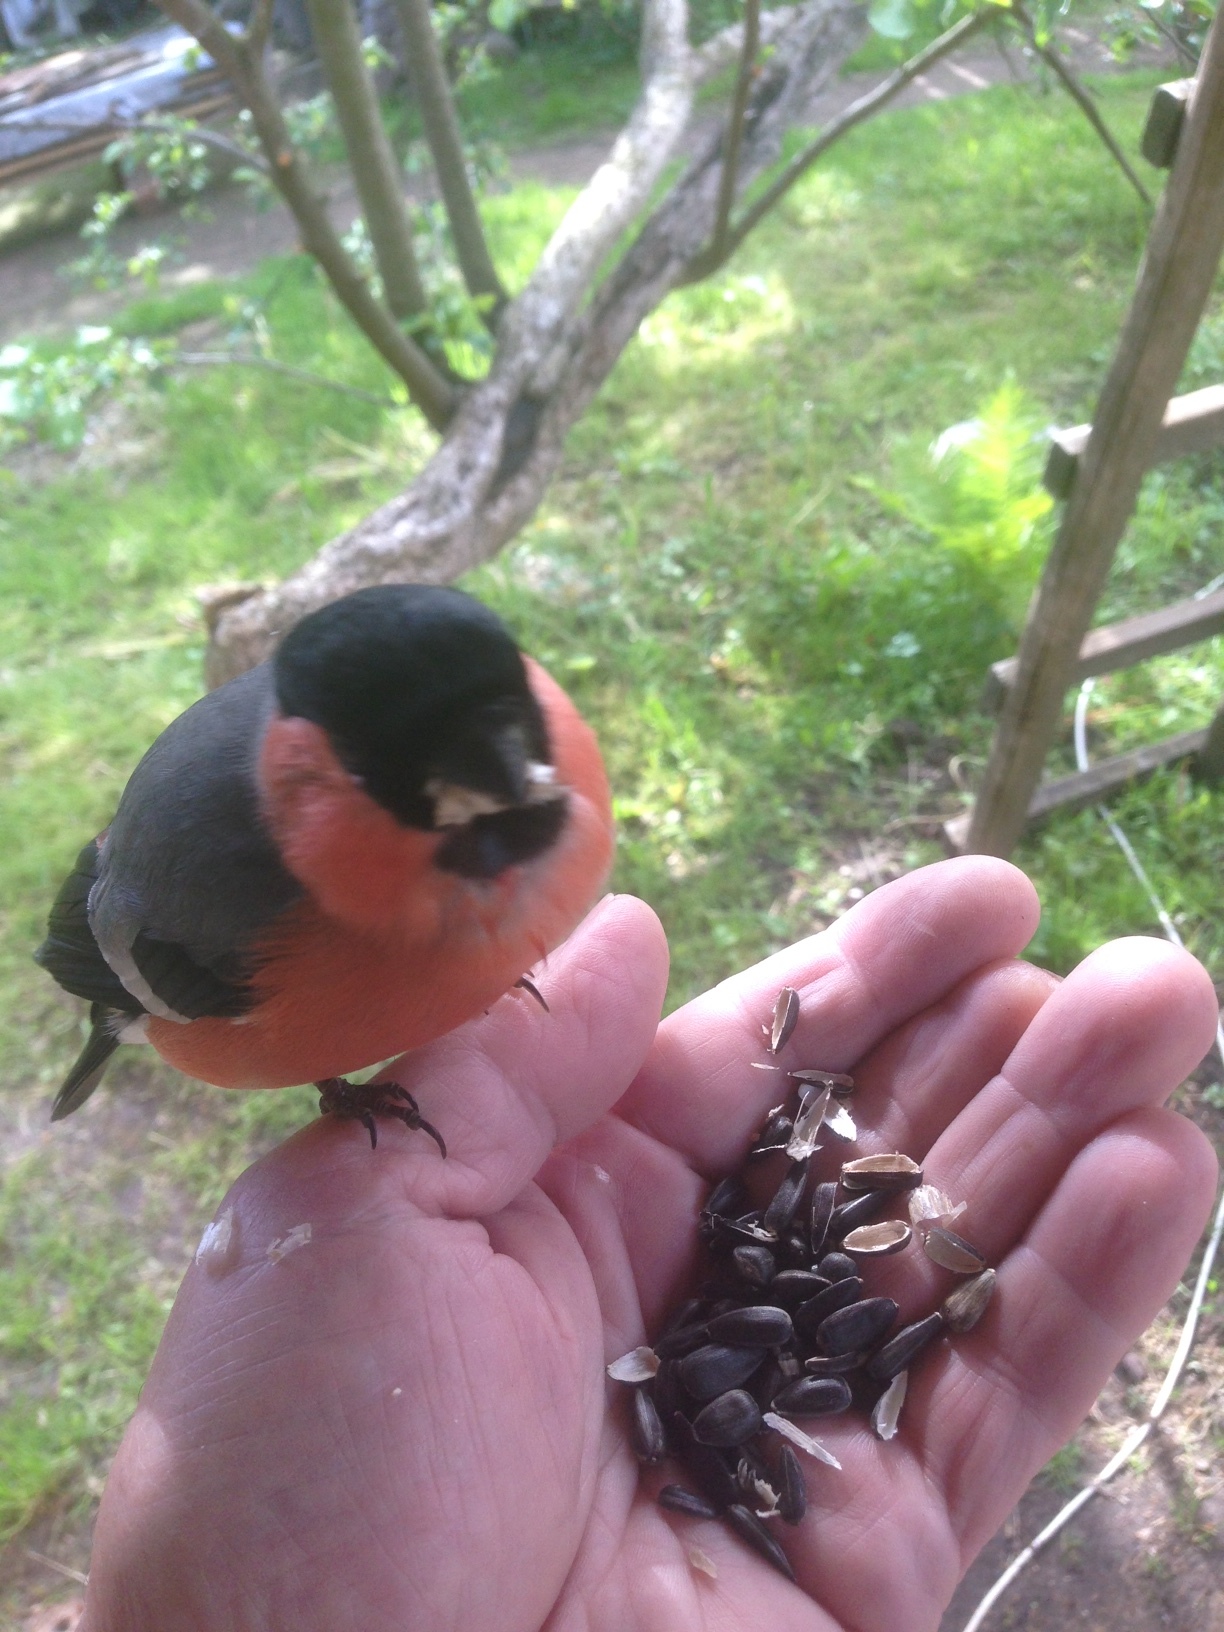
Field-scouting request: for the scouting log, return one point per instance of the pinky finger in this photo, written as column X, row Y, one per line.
column 1100, row 1259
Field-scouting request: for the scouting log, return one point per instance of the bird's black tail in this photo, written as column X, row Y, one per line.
column 87, row 1073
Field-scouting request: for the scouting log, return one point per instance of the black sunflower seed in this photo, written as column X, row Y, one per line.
column 862, row 1210
column 857, row 1326
column 717, row 1367
column 792, row 1491
column 760, row 1326
column 897, row 1353
column 682, row 1340
column 649, row 1440
column 707, row 1465
column 814, row 1397
column 679, row 1500
column 808, row 1317
column 774, row 1134
column 824, row 1197
column 754, row 1266
column 785, row 1204
column 833, row 1365
column 791, row 1287
column 727, row 1197
column 836, row 1266
column 746, row 1525
column 729, row 1420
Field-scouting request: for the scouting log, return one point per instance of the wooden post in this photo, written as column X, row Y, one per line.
column 1175, row 280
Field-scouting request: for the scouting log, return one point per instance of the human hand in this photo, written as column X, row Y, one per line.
column 404, row 1423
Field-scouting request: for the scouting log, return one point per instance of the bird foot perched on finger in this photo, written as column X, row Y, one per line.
column 363, row 1101
column 528, row 985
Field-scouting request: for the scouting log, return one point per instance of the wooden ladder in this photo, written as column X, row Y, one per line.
column 1097, row 469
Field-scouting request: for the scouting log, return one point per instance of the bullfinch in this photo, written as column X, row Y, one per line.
column 340, row 855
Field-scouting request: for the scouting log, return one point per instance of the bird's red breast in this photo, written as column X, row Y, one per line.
column 387, row 950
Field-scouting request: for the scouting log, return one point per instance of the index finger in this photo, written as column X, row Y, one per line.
column 902, row 949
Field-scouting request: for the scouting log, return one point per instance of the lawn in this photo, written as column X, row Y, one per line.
column 796, row 527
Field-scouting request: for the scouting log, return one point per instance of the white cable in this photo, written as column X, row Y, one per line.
column 1186, row 1341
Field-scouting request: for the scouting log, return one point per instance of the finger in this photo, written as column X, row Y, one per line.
column 902, row 949
column 506, row 1088
column 1101, row 1258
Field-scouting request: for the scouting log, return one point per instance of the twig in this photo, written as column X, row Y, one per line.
column 60, row 1569
column 201, row 133
column 427, row 386
column 735, row 126
column 705, row 262
column 206, row 359
column 717, row 53
column 1186, row 1341
column 1080, row 96
column 259, row 26
column 445, row 140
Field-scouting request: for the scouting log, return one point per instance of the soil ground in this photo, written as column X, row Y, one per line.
column 1147, row 1554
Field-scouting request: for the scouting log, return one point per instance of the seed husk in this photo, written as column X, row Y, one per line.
column 892, row 1171
column 785, row 1204
column 927, row 1204
column 899, row 1352
column 746, row 1525
column 836, row 1266
column 774, row 1133
column 841, row 1084
column 789, row 1430
column 803, row 1141
column 714, row 1369
column 754, row 1265
column 792, row 1491
column 878, row 1240
column 808, row 1317
column 864, row 1209
column 729, row 1232
column 857, row 1326
column 679, row 1500
column 888, row 1406
column 759, row 1326
column 785, row 1019
column 814, row 1397
column 824, row 1198
column 952, row 1251
column 646, row 1430
column 729, row 1420
column 964, row 1307
column 841, row 1124
column 638, row 1366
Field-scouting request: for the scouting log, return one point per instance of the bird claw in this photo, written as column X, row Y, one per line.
column 362, row 1101
column 529, row 985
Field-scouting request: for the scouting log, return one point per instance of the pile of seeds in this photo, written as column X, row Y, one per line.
column 783, row 1329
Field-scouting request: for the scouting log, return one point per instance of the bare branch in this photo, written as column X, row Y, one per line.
column 429, row 390
column 735, row 126
column 705, row 263
column 429, row 81
column 214, row 359
column 259, row 27
column 1080, row 96
column 337, row 37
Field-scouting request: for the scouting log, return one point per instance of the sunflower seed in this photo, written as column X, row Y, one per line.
column 707, row 1465
column 841, row 1084
column 833, row 1365
column 835, row 1266
column 863, row 1209
column 638, row 1366
column 888, row 1406
column 774, row 1133
column 814, row 1397
column 878, row 1240
column 792, row 1492
column 728, row 1196
column 646, row 1431
column 666, row 1391
column 888, row 1172
column 729, row 1420
column 952, row 1251
column 787, row 1197
column 761, row 1326
column 791, row 1287
column 808, row 1317
column 754, row 1265
column 857, row 1326
column 746, row 1525
column 727, row 1231
column 899, row 1351
column 683, row 1340
column 679, row 1500
column 804, row 1442
column 785, row 1019
column 824, row 1197
column 716, row 1368
column 963, row 1308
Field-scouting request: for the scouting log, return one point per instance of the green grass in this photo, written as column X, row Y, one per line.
column 771, row 601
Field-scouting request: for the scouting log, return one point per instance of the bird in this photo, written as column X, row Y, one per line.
column 350, row 850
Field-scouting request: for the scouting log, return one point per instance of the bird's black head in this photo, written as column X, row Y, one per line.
column 424, row 696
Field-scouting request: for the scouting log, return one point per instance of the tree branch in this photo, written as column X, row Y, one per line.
column 428, row 389
column 442, row 133
column 375, row 171
column 708, row 261
column 1087, row 106
column 259, row 27
column 735, row 126
column 724, row 49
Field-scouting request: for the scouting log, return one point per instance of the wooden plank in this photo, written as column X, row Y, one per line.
column 1193, row 423
column 1175, row 280
column 1091, row 786
column 1163, row 129
column 1132, row 640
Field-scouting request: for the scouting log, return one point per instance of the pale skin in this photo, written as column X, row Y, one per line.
column 405, row 1423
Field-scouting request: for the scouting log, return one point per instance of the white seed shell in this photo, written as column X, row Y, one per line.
column 841, row 1123
column 217, row 1252
column 888, row 1406
column 638, row 1366
column 797, row 1437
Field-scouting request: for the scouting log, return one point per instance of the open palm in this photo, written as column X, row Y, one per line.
column 405, row 1423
